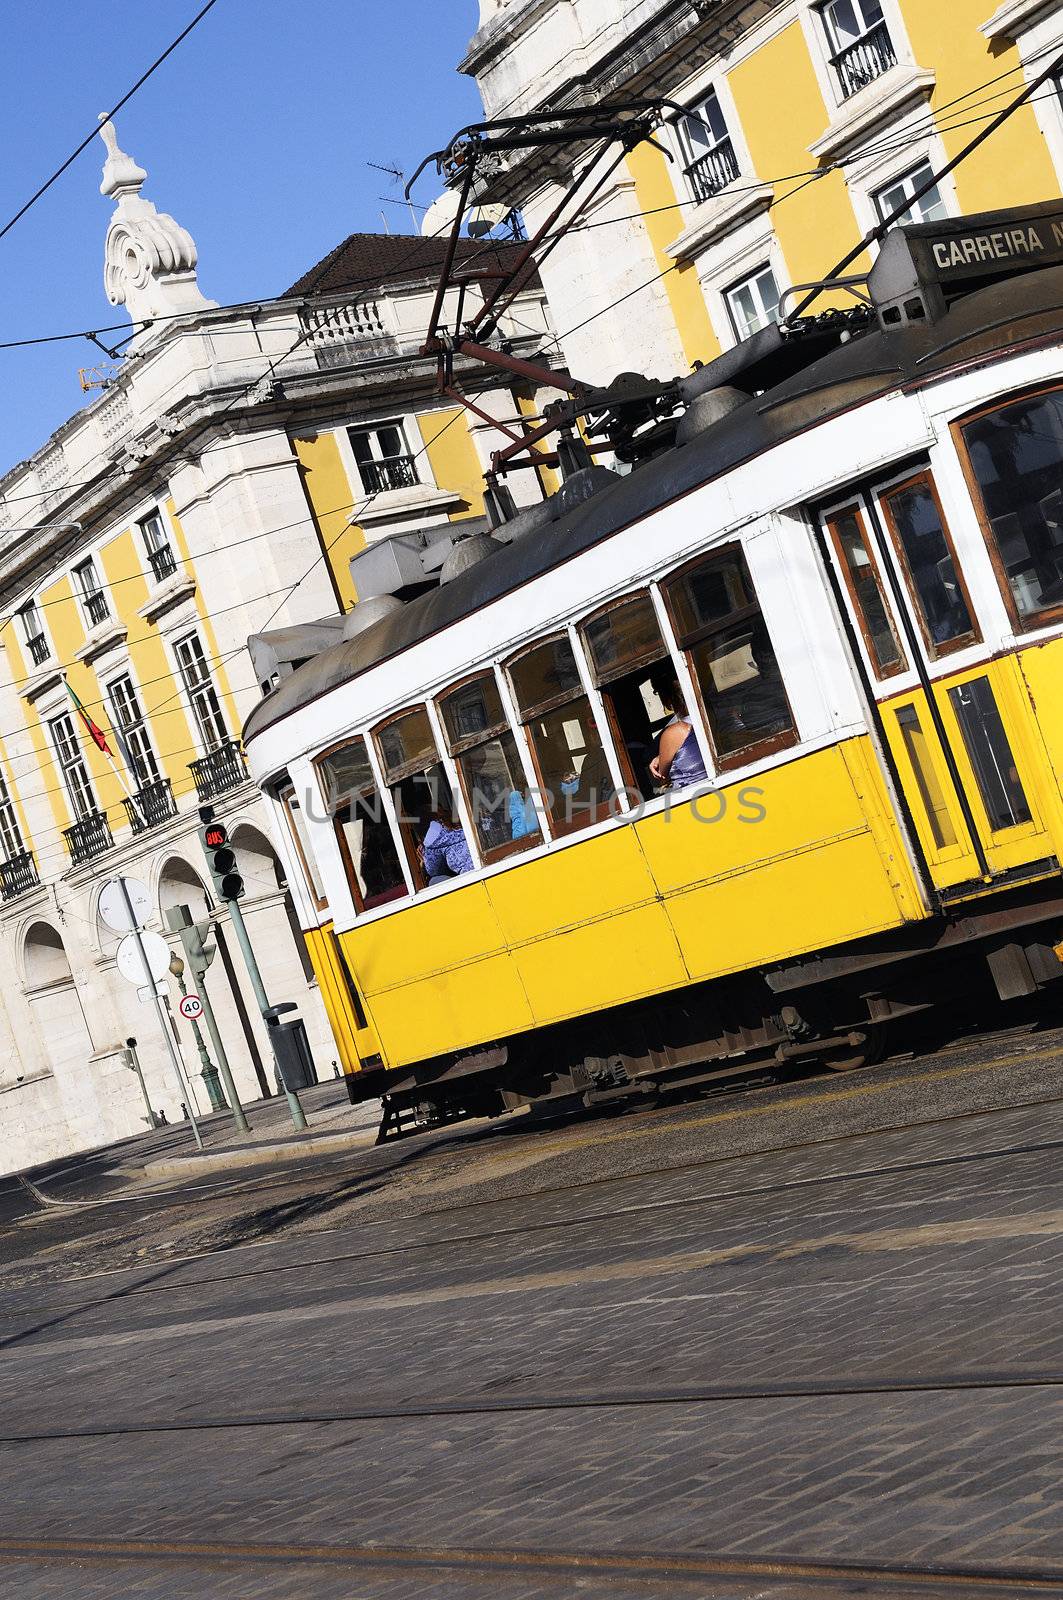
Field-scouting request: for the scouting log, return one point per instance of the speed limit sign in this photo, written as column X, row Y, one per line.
column 191, row 1008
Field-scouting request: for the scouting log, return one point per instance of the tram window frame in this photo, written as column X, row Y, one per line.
column 831, row 518
column 572, row 819
column 688, row 640
column 459, row 746
column 375, row 902
column 883, row 494
column 1034, row 620
column 414, row 767
column 287, row 797
column 604, row 680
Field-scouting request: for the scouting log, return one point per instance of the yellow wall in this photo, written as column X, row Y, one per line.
column 328, row 492
column 452, row 454
column 655, row 194
column 672, row 899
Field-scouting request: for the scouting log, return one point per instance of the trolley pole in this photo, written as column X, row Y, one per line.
column 240, row 927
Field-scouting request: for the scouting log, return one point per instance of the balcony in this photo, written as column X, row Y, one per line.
column 96, row 608
column 89, row 837
column 341, row 333
column 866, row 59
column 37, row 646
column 162, row 563
column 18, row 875
column 395, row 472
column 713, row 172
column 151, row 806
column 219, row 771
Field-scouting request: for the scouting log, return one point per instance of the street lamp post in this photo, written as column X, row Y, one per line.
column 209, row 1072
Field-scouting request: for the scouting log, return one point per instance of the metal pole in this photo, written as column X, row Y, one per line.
column 244, row 942
column 208, row 1071
column 134, row 1061
column 200, row 985
column 186, row 1088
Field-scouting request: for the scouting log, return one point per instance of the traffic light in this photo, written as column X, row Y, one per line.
column 221, row 858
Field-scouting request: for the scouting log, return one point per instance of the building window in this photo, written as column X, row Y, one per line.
column 1014, row 461
column 157, row 545
column 929, row 561
column 570, row 763
column 753, row 303
column 631, row 666
column 708, row 148
column 11, row 844
column 929, row 208
column 129, row 723
column 860, row 44
column 718, row 622
column 202, row 695
column 33, row 633
column 383, row 457
column 363, row 832
column 92, row 596
column 860, row 571
column 435, row 843
column 489, row 767
column 73, row 768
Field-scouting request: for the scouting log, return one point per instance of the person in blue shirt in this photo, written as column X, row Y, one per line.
column 678, row 762
column 444, row 851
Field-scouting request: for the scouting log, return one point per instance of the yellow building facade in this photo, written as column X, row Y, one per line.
column 807, row 123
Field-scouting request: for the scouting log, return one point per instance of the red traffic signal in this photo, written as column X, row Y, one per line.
column 215, row 836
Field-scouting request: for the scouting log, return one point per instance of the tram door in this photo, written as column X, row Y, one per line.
column 962, row 742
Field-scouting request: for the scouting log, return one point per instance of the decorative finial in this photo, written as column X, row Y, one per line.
column 121, row 175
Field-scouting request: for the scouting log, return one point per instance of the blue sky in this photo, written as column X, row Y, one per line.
column 255, row 135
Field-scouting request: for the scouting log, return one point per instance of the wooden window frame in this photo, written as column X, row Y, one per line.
column 686, row 642
column 405, row 829
column 460, row 747
column 859, row 510
column 345, row 854
column 558, row 829
column 284, row 792
column 602, row 684
column 936, row 652
column 1054, row 614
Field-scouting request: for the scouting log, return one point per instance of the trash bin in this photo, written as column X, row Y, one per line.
column 291, row 1049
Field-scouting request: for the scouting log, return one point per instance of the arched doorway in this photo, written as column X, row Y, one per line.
column 264, row 874
column 55, row 1006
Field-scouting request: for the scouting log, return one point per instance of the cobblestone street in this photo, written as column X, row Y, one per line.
column 802, row 1341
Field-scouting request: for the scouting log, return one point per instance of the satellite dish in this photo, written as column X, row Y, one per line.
column 485, row 219
column 441, row 214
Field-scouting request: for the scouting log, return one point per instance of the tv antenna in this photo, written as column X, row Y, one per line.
column 395, row 172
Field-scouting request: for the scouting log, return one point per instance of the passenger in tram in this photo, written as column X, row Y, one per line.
column 444, row 852
column 678, row 762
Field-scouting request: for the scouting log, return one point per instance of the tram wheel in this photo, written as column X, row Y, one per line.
column 862, row 1049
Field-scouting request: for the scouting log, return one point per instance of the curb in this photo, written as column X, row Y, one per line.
column 258, row 1155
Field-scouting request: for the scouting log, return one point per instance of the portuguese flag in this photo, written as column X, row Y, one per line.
column 95, row 733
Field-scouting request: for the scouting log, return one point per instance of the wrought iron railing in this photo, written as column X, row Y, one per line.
column 89, row 837
column 867, row 59
column 219, row 771
column 96, row 607
column 18, row 874
column 162, row 563
column 713, row 171
column 38, row 649
column 151, row 806
column 395, row 472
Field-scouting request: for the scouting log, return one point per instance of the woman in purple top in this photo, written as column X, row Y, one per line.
column 678, row 762
column 444, row 852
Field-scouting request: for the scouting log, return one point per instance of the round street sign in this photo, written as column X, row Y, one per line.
column 130, row 965
column 191, row 1007
column 113, row 909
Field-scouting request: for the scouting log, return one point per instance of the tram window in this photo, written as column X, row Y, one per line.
column 930, row 791
column 860, row 570
column 488, row 762
column 296, row 820
column 367, row 846
column 432, row 835
column 1016, row 459
column 626, row 651
column 929, row 560
column 987, row 745
column 719, row 624
column 569, row 759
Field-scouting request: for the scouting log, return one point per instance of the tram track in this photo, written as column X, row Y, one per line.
column 660, row 1572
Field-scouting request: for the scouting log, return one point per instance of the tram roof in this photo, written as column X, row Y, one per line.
column 980, row 325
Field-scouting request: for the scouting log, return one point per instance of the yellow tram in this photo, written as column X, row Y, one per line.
column 846, row 571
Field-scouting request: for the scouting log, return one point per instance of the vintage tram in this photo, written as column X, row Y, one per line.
column 847, row 570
